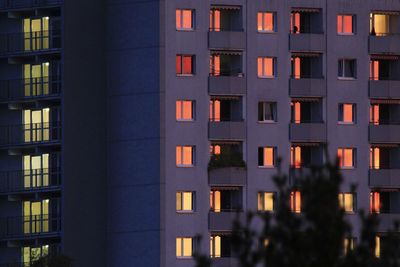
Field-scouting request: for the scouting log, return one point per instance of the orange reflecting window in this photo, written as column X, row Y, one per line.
column 184, row 110
column 295, row 201
column 215, row 20
column 184, row 155
column 265, row 22
column 374, row 202
column 184, row 64
column 296, row 67
column 215, row 200
column 265, row 67
column 348, row 113
column 295, row 22
column 215, row 110
column 295, row 157
column 346, row 202
column 215, row 149
column 296, row 111
column 346, row 157
column 374, row 70
column 374, row 158
column 345, row 24
column 184, row 19
column 268, row 156
column 215, row 65
column 374, row 114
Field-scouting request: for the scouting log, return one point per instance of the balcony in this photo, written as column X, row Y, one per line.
column 30, row 134
column 309, row 42
column 223, row 221
column 226, row 155
column 227, row 176
column 307, row 87
column 307, row 132
column 389, row 133
column 227, row 85
column 227, row 40
column 224, row 262
column 30, row 181
column 387, row 44
column 384, row 89
column 227, row 130
column 30, row 44
column 25, row 90
column 387, row 178
column 28, row 227
column 24, row 4
column 386, row 221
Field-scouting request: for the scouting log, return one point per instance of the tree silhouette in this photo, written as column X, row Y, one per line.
column 316, row 236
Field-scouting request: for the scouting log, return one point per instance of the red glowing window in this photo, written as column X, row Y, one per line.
column 345, row 24
column 184, row 64
column 346, row 157
column 295, row 201
column 184, row 19
column 374, row 202
column 266, row 22
column 266, row 67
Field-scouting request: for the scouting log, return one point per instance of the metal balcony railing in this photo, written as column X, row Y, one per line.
column 29, row 42
column 17, row 4
column 28, row 226
column 27, row 134
column 22, row 89
column 29, row 180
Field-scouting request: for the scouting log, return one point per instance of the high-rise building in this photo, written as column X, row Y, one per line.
column 128, row 127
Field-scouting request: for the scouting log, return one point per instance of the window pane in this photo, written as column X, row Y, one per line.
column 260, row 201
column 340, row 24
column 268, row 201
column 179, row 247
column 187, row 247
column 348, row 157
column 259, row 21
column 178, row 155
column 348, row 113
column 260, row 67
column 187, row 201
column 187, row 19
column 178, row 18
column 178, row 64
column 178, row 106
column 268, row 67
column 268, row 22
column 348, row 202
column 187, row 155
column 340, row 156
column 187, row 110
column 178, row 200
column 187, row 65
column 268, row 156
column 348, row 24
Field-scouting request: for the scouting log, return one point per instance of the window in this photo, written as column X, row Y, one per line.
column 36, row 33
column 36, row 216
column 265, row 201
column 36, row 170
column 267, row 112
column 185, row 64
column 36, row 79
column 380, row 24
column 184, row 247
column 266, row 67
column 266, row 157
column 346, row 157
column 32, row 254
column 374, row 70
column 377, row 246
column 345, row 24
column 347, row 202
column 348, row 244
column 266, row 22
column 347, row 113
column 374, row 202
column 295, row 157
column 184, row 19
column 185, row 156
column 215, row 246
column 215, row 20
column 374, row 158
column 184, row 110
column 36, row 125
column 347, row 68
column 295, row 201
column 185, row 201
column 374, row 114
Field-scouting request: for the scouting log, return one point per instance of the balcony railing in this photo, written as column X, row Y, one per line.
column 22, row 89
column 29, row 42
column 29, row 226
column 29, row 180
column 33, row 133
column 18, row 4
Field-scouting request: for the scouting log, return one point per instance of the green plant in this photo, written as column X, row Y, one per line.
column 224, row 160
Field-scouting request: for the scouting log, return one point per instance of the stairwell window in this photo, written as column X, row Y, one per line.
column 347, row 113
column 346, row 24
column 266, row 157
column 347, row 68
column 185, row 65
column 346, row 157
column 185, row 156
column 266, row 67
column 347, row 202
column 185, row 201
column 184, row 19
column 266, row 22
column 185, row 110
column 184, row 247
column 266, row 201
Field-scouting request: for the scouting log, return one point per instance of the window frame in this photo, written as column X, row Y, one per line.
column 353, row 24
column 182, row 65
column 274, row 22
column 263, row 105
column 181, row 164
column 192, row 14
column 181, row 240
column 342, row 67
column 181, row 102
column 261, row 197
column 182, row 202
column 341, row 161
column 342, row 202
column 341, row 114
column 263, row 67
column 263, row 159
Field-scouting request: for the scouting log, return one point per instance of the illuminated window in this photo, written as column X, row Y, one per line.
column 347, row 113
column 266, row 22
column 33, row 254
column 374, row 202
column 215, row 65
column 295, row 157
column 379, row 24
column 36, row 170
column 36, row 125
column 265, row 201
column 378, row 246
column 185, row 64
column 346, row 157
column 295, row 201
column 295, row 22
column 215, row 20
column 215, row 110
column 36, row 216
column 215, row 246
column 184, row 110
column 184, row 19
column 215, row 200
column 347, row 202
column 374, row 158
column 296, row 111
column 36, row 79
column 374, row 114
column 184, row 247
column 348, row 244
column 267, row 112
column 347, row 68
column 266, row 67
column 345, row 24
column 296, row 67
column 185, row 201
column 266, row 156
column 36, row 33
column 374, row 70
column 185, row 156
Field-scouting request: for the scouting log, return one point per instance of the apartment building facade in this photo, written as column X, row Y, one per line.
column 128, row 128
